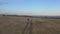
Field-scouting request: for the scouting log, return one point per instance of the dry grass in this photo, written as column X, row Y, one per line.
column 15, row 25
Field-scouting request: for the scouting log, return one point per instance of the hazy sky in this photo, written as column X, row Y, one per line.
column 30, row 7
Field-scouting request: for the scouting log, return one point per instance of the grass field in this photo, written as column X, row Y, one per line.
column 16, row 25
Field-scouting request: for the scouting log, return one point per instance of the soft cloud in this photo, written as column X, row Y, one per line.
column 3, row 3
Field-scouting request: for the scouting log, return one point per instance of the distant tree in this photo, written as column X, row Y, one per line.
column 3, row 15
column 45, row 17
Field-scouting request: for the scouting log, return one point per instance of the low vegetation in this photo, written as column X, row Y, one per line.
column 16, row 25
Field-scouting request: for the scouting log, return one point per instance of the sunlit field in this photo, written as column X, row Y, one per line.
column 16, row 25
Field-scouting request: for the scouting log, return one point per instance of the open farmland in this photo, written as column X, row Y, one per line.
column 16, row 25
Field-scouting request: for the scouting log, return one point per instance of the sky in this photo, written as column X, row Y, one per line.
column 30, row 7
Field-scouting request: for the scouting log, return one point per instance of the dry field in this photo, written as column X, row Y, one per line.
column 16, row 25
